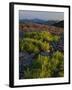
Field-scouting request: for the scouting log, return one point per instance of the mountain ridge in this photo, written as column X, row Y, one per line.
column 38, row 21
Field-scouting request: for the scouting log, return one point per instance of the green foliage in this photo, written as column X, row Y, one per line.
column 44, row 35
column 45, row 66
column 58, row 64
column 27, row 73
column 42, row 66
column 36, row 41
column 32, row 45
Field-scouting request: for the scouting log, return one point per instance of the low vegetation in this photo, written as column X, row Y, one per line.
column 45, row 66
column 42, row 66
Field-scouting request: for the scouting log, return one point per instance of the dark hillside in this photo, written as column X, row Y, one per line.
column 59, row 24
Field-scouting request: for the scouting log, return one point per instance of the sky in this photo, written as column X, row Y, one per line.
column 44, row 15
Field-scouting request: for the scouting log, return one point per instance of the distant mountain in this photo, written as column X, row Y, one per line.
column 38, row 21
column 59, row 24
column 32, row 21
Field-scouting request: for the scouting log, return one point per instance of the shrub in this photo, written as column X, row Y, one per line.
column 42, row 66
column 45, row 66
column 57, row 64
column 32, row 45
